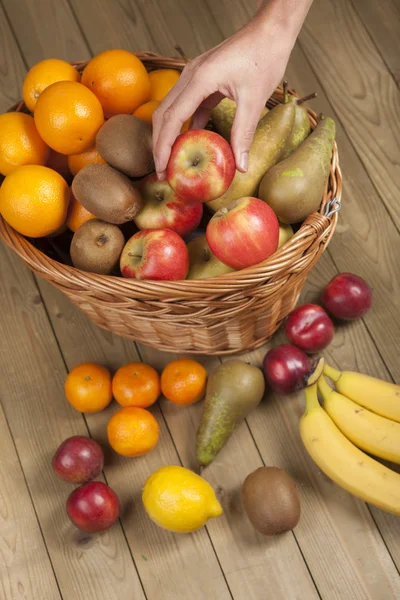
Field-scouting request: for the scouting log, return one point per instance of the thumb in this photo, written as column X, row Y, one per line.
column 247, row 115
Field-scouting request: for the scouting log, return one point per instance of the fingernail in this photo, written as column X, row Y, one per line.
column 161, row 176
column 244, row 162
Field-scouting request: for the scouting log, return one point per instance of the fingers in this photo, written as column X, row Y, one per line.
column 202, row 114
column 247, row 115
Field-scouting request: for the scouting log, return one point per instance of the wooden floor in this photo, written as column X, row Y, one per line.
column 342, row 549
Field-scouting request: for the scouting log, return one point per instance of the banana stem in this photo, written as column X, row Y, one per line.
column 324, row 388
column 332, row 373
column 311, row 398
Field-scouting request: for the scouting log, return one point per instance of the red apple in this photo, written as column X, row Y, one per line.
column 244, row 233
column 164, row 209
column 286, row 368
column 201, row 166
column 347, row 297
column 155, row 254
column 78, row 459
column 309, row 328
column 93, row 507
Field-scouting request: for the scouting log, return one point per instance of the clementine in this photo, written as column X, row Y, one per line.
column 183, row 381
column 132, row 431
column 88, row 387
column 77, row 214
column 76, row 162
column 145, row 111
column 44, row 74
column 20, row 142
column 136, row 384
column 161, row 82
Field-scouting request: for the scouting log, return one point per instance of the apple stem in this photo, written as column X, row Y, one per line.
column 285, row 92
column 179, row 50
column 308, row 97
column 196, row 161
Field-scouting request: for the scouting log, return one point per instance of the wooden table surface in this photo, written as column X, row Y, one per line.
column 342, row 549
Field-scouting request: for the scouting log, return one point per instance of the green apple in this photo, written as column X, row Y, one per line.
column 285, row 233
column 202, row 262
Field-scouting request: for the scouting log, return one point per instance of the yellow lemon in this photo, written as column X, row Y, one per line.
column 177, row 499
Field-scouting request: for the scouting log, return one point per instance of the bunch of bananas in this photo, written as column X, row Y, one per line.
column 361, row 414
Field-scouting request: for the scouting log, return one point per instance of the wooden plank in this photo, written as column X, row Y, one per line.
column 382, row 20
column 25, row 568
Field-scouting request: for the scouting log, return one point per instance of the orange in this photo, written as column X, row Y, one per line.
column 136, row 384
column 183, row 381
column 77, row 214
column 59, row 162
column 88, row 387
column 161, row 82
column 44, row 74
column 20, row 142
column 68, row 116
column 76, row 162
column 119, row 80
column 34, row 200
column 145, row 112
column 132, row 431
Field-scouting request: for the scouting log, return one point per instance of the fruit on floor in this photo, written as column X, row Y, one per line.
column 107, row 193
column 119, row 80
column 183, row 381
column 347, row 297
column 202, row 261
column 223, row 116
column 96, row 247
column 309, row 327
column 370, row 432
column 59, row 162
column 68, row 116
column 125, row 142
column 76, row 162
column 244, row 233
column 285, row 233
column 269, row 140
column 78, row 459
column 294, row 187
column 136, row 384
column 132, row 431
column 234, row 389
column 270, row 500
column 161, row 82
column 34, row 200
column 77, row 214
column 288, row 369
column 179, row 500
column 344, row 463
column 201, row 166
column 20, row 143
column 93, row 507
column 43, row 74
column 88, row 387
column 158, row 254
column 382, row 397
column 146, row 110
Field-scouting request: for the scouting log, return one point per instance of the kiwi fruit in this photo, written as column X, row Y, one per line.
column 125, row 143
column 96, row 247
column 270, row 500
column 107, row 194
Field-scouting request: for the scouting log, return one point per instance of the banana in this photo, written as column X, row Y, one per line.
column 370, row 432
column 382, row 397
column 343, row 462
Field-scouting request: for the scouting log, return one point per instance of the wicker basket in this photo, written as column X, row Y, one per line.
column 222, row 315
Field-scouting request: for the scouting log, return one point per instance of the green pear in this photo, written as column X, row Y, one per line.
column 300, row 130
column 285, row 233
column 223, row 116
column 202, row 262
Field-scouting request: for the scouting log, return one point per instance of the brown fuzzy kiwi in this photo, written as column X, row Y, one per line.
column 125, row 143
column 96, row 247
column 107, row 194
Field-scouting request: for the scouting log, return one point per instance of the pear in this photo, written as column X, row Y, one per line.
column 268, row 143
column 234, row 389
column 223, row 116
column 301, row 126
column 285, row 233
column 202, row 262
column 294, row 187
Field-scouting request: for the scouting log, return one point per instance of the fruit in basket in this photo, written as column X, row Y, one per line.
column 119, row 80
column 132, row 431
column 234, row 389
column 93, row 507
column 59, row 162
column 347, row 297
column 269, row 140
column 107, row 194
column 270, row 501
column 343, row 462
column 367, row 430
column 76, row 162
column 301, row 126
column 244, row 233
column 164, row 209
column 34, row 200
column 285, row 233
column 77, row 214
column 309, row 328
column 161, row 82
column 159, row 254
column 97, row 246
column 88, row 387
column 179, row 500
column 201, row 166
column 125, row 143
column 146, row 110
column 136, row 384
column 288, row 369
column 382, row 397
column 294, row 187
column 202, row 262
column 78, row 459
column 183, row 381
column 20, row 143
column 223, row 116
column 43, row 74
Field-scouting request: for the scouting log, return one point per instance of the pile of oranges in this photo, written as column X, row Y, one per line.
column 41, row 151
column 133, row 430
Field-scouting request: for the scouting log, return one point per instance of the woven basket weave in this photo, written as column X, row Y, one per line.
column 227, row 314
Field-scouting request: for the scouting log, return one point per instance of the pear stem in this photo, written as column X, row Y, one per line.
column 332, row 373
column 285, row 92
column 324, row 388
column 312, row 402
column 308, row 97
column 181, row 53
